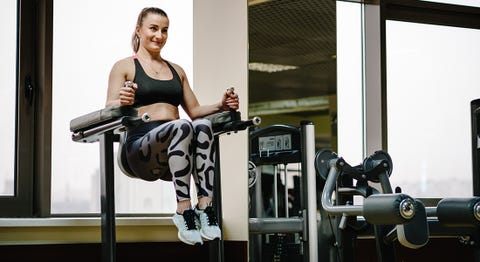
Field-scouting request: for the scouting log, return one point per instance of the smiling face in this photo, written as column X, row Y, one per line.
column 153, row 32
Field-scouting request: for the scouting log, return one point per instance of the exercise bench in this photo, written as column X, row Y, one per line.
column 108, row 126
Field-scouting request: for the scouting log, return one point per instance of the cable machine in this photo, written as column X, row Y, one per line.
column 283, row 226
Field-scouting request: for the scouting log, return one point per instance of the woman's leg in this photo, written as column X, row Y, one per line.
column 167, row 151
column 204, row 177
column 204, row 153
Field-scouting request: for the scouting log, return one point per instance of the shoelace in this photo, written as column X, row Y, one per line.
column 212, row 219
column 189, row 217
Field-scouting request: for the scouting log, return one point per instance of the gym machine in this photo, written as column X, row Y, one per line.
column 108, row 126
column 388, row 216
column 293, row 230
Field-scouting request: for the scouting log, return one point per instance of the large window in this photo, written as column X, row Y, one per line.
column 458, row 2
column 350, row 81
column 432, row 75
column 8, row 30
column 87, row 42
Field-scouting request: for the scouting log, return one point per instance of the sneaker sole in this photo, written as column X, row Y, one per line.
column 208, row 238
column 188, row 242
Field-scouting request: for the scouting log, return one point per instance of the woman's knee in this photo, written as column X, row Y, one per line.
column 203, row 125
column 184, row 126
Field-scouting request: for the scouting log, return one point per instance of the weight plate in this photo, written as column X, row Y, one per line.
column 369, row 162
column 322, row 160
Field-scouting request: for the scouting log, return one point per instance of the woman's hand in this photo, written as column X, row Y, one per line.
column 127, row 94
column 230, row 100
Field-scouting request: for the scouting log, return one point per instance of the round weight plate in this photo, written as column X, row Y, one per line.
column 369, row 162
column 322, row 160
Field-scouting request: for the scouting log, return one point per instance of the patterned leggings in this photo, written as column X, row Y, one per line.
column 176, row 150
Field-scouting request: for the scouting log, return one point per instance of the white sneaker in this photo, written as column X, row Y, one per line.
column 208, row 223
column 187, row 227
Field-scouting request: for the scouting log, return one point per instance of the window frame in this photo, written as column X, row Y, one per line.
column 33, row 62
column 416, row 12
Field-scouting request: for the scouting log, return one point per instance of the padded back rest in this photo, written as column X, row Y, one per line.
column 122, row 156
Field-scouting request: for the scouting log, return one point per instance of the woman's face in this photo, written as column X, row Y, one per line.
column 153, row 33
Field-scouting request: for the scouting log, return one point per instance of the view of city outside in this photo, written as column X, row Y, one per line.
column 89, row 37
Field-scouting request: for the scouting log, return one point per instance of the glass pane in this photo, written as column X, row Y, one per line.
column 349, row 81
column 432, row 75
column 474, row 3
column 8, row 30
column 84, row 51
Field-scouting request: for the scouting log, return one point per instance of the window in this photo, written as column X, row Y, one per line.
column 84, row 52
column 432, row 75
column 8, row 29
column 458, row 2
column 350, row 86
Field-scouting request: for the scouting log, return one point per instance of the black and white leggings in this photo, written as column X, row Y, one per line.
column 175, row 150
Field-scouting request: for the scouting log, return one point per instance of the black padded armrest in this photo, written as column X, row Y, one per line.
column 220, row 119
column 100, row 117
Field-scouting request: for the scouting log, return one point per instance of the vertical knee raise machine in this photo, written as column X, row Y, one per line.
column 107, row 126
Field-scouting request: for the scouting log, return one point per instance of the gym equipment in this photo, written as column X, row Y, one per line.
column 281, row 145
column 391, row 216
column 394, row 214
column 107, row 126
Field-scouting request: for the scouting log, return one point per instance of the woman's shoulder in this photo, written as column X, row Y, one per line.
column 177, row 67
column 125, row 62
column 124, row 65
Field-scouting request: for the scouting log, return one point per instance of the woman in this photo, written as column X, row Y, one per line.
column 168, row 147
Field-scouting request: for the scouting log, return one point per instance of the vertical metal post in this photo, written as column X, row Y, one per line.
column 107, row 189
column 475, row 117
column 309, row 184
column 475, row 122
column 275, row 192
column 286, row 189
column 216, row 246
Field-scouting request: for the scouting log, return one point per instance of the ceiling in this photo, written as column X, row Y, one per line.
column 292, row 32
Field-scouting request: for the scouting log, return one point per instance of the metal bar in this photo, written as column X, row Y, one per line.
column 216, row 247
column 275, row 225
column 308, row 172
column 328, row 191
column 275, row 192
column 107, row 185
column 286, row 190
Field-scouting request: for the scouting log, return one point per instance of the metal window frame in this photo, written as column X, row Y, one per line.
column 375, row 14
column 33, row 112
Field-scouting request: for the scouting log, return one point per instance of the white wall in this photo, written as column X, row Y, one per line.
column 220, row 60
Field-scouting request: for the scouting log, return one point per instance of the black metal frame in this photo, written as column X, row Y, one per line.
column 106, row 134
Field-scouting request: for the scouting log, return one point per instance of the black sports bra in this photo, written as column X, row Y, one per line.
column 152, row 90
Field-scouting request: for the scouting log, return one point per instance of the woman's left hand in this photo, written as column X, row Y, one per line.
column 230, row 100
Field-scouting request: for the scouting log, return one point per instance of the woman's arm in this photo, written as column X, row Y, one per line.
column 118, row 94
column 193, row 108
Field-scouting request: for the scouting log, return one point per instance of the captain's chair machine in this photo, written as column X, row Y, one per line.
column 107, row 126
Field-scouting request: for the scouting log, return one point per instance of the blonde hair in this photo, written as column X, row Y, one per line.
column 141, row 16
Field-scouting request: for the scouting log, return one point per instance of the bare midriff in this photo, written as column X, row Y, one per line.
column 160, row 111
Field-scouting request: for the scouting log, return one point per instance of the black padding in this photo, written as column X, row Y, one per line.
column 457, row 211
column 100, row 117
column 384, row 209
column 122, row 157
column 414, row 234
column 221, row 118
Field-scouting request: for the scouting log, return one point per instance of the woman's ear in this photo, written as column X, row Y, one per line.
column 137, row 31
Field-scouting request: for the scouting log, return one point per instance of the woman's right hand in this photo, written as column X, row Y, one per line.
column 127, row 94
